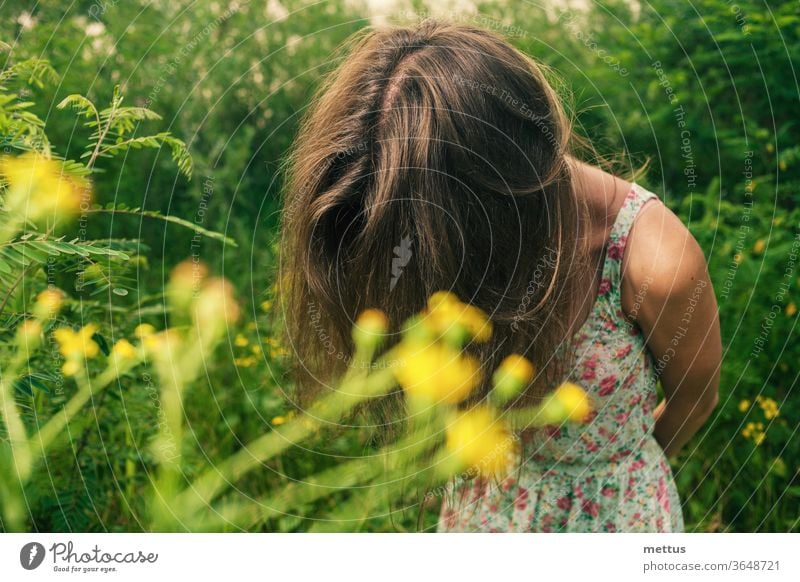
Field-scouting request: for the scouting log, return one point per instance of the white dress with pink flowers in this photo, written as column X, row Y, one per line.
column 606, row 475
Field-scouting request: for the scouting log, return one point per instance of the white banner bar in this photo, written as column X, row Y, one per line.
column 400, row 557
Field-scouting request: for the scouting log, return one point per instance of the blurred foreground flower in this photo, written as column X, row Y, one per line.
column 123, row 352
column 29, row 334
column 185, row 281
column 435, row 372
column 48, row 303
column 39, row 188
column 455, row 321
column 215, row 308
column 370, row 328
column 482, row 442
column 76, row 346
column 512, row 376
column 143, row 331
column 568, row 402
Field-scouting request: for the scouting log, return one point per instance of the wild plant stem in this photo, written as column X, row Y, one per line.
column 329, row 409
column 345, row 476
column 44, row 439
column 17, row 435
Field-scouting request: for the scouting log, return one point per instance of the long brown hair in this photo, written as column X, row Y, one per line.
column 435, row 157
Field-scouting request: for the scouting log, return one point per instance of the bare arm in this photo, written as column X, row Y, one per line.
column 667, row 290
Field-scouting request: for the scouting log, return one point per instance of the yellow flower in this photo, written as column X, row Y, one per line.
column 791, row 309
column 164, row 344
column 744, row 405
column 70, row 368
column 769, row 406
column 568, row 402
column 185, row 281
column 370, row 328
column 245, row 362
column 266, row 305
column 758, row 248
column 76, row 345
column 48, row 303
column 737, row 258
column 276, row 353
column 512, row 375
column 29, row 334
column 279, row 420
column 436, row 372
column 215, row 307
column 755, row 432
column 143, row 331
column 123, row 350
column 482, row 442
column 38, row 187
column 455, row 320
column 241, row 341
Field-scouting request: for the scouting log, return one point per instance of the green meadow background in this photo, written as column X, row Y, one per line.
column 704, row 94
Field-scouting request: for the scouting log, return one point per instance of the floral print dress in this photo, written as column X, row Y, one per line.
column 606, row 475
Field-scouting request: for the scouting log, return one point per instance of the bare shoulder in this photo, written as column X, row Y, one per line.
column 662, row 258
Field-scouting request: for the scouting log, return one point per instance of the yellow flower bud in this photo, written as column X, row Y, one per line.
column 29, row 334
column 370, row 328
column 77, row 345
column 143, row 330
column 71, row 367
column 163, row 344
column 39, row 188
column 482, row 442
column 512, row 376
column 215, row 308
column 123, row 350
column 185, row 281
column 791, row 309
column 455, row 321
column 436, row 372
column 758, row 248
column 569, row 402
column 48, row 303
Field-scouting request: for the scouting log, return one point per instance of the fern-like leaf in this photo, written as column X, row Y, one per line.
column 122, row 209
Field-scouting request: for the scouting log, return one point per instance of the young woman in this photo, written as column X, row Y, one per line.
column 439, row 157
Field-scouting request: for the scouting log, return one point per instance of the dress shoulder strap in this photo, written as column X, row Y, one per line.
column 618, row 238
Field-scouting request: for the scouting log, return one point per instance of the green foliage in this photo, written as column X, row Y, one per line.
column 115, row 124
column 704, row 90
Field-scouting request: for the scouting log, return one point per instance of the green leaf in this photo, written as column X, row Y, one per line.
column 101, row 343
